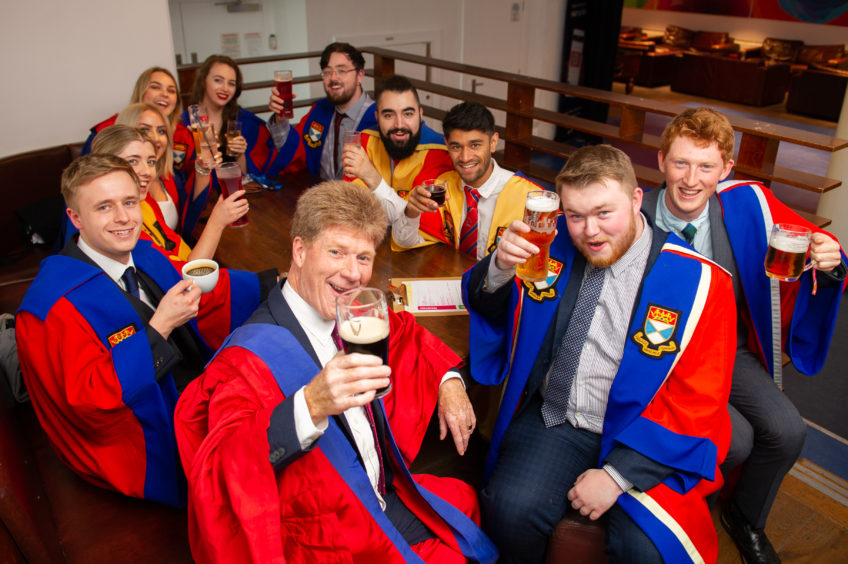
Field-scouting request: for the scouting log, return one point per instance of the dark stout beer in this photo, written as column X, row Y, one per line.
column 367, row 335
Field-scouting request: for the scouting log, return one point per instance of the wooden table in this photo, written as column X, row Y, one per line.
column 265, row 242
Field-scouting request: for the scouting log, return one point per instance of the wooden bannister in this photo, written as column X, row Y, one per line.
column 755, row 159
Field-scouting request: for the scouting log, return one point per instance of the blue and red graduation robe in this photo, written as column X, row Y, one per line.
column 668, row 400
column 781, row 314
column 321, row 506
column 88, row 366
column 306, row 141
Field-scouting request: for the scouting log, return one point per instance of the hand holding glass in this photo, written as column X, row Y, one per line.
column 229, row 175
column 437, row 189
column 541, row 210
column 787, row 251
column 233, row 131
column 283, row 82
column 362, row 319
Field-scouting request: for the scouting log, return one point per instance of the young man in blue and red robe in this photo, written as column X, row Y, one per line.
column 730, row 222
column 289, row 457
column 316, row 142
column 108, row 334
column 616, row 369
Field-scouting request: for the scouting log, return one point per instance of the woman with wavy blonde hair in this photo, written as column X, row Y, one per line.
column 137, row 148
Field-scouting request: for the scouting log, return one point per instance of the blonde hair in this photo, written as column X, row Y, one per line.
column 338, row 203
column 88, row 168
column 112, row 140
column 703, row 125
column 597, row 164
column 131, row 115
column 141, row 87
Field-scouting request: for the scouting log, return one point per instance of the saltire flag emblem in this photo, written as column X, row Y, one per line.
column 545, row 289
column 656, row 337
column 314, row 134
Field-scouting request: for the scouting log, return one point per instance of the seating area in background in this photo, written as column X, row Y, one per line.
column 811, row 78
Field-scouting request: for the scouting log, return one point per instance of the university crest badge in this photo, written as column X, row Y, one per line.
column 657, row 336
column 544, row 289
column 179, row 154
column 314, row 134
column 497, row 238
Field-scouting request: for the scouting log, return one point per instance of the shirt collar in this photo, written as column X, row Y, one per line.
column 112, row 268
column 671, row 222
column 357, row 108
column 307, row 316
column 494, row 184
column 637, row 250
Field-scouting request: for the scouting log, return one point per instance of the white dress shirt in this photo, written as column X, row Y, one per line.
column 113, row 269
column 405, row 229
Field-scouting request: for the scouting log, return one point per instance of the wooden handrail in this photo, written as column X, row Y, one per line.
column 755, row 159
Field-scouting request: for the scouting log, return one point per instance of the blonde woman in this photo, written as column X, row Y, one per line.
column 139, row 150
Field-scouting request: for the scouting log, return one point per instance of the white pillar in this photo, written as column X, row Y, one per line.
column 834, row 204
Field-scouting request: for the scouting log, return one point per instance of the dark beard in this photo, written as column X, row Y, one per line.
column 400, row 152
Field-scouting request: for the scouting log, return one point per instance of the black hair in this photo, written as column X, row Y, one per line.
column 395, row 83
column 469, row 116
column 345, row 48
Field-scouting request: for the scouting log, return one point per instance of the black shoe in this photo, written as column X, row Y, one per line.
column 753, row 544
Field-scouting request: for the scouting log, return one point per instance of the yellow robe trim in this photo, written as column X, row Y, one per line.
column 150, row 226
column 662, row 515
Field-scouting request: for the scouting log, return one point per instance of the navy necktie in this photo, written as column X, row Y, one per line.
column 131, row 282
column 568, row 353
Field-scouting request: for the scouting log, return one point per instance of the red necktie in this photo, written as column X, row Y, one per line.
column 468, row 233
column 369, row 414
column 336, row 142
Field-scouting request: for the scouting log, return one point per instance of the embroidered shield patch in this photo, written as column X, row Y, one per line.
column 179, row 154
column 121, row 335
column 545, row 289
column 657, row 336
column 497, row 238
column 314, row 134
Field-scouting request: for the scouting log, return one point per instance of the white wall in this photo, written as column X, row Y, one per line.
column 742, row 29
column 68, row 65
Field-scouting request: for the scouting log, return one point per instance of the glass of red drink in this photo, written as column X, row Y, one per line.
column 229, row 176
column 283, row 82
column 437, row 189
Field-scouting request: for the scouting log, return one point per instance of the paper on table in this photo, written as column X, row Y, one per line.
column 436, row 296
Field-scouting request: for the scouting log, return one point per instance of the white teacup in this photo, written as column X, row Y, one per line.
column 198, row 272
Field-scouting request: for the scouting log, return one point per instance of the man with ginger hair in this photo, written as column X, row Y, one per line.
column 618, row 372
column 289, row 456
column 730, row 222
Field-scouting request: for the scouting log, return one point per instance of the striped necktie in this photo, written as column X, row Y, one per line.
column 468, row 233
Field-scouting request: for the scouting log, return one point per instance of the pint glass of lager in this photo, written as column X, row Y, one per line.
column 540, row 213
column 787, row 251
column 362, row 319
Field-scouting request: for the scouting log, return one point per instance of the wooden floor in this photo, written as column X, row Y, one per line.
column 805, row 525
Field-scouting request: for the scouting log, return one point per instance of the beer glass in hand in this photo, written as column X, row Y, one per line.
column 787, row 251
column 283, row 82
column 233, row 131
column 229, row 175
column 362, row 319
column 540, row 214
column 437, row 190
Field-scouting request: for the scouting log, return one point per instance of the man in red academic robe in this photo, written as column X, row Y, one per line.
column 289, row 457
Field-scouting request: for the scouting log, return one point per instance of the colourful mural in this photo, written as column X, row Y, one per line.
column 831, row 12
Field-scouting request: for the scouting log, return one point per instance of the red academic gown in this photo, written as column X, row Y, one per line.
column 88, row 366
column 320, row 507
